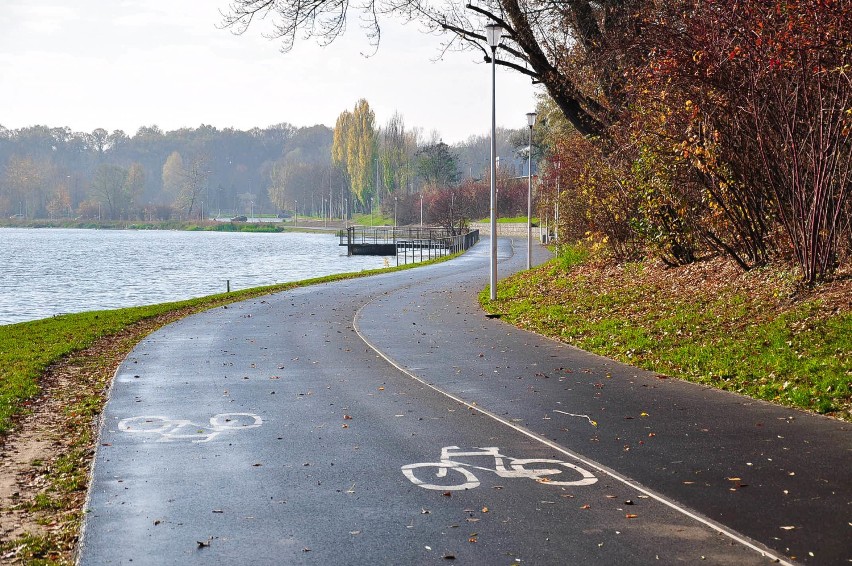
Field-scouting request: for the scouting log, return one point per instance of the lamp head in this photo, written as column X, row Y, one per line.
column 531, row 119
column 493, row 34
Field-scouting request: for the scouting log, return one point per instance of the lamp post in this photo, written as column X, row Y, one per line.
column 421, row 210
column 530, row 122
column 493, row 34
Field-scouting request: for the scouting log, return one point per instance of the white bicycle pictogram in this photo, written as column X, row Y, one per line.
column 171, row 430
column 517, row 468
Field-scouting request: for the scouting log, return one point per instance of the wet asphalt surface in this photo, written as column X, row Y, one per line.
column 308, row 427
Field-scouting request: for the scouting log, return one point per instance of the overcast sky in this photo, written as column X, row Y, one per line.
column 122, row 64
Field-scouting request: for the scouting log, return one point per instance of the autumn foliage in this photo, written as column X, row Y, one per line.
column 734, row 136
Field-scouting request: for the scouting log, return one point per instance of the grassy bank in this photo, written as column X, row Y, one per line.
column 756, row 333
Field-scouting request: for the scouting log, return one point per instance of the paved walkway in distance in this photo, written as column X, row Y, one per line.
column 287, row 429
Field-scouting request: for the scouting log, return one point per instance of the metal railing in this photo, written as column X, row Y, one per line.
column 417, row 243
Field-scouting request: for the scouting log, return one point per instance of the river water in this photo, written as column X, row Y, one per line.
column 44, row 272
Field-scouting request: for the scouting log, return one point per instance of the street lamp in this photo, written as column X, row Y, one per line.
column 530, row 122
column 493, row 34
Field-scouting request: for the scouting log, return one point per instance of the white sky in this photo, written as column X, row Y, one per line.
column 122, row 64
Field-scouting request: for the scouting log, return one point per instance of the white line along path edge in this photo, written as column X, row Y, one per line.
column 694, row 515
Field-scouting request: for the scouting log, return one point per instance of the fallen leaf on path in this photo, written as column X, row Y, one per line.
column 631, row 516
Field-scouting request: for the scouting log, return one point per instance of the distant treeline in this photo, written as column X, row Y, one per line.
column 202, row 172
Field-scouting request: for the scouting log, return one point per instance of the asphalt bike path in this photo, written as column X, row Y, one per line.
column 386, row 420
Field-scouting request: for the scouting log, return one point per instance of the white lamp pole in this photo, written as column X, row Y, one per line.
column 493, row 34
column 530, row 122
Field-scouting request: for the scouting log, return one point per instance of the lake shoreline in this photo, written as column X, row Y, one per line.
column 263, row 225
column 66, row 270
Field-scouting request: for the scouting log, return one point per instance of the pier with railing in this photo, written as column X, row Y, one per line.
column 415, row 242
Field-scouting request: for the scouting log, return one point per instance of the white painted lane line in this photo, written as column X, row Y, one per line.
column 694, row 515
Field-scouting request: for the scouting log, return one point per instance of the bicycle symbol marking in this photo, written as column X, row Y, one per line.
column 175, row 430
column 517, row 468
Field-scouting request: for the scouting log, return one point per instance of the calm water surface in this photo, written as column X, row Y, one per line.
column 44, row 272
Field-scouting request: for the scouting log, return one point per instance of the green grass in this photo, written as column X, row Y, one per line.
column 36, row 550
column 793, row 353
column 511, row 220
column 377, row 219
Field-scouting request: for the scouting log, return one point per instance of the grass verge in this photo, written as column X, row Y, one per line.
column 510, row 220
column 755, row 333
column 54, row 377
